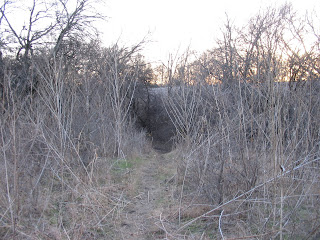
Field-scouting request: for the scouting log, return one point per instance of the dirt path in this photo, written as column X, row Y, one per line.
column 149, row 196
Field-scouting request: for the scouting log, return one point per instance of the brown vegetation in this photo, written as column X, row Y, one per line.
column 78, row 122
column 250, row 144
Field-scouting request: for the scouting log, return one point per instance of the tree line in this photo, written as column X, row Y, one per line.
column 245, row 114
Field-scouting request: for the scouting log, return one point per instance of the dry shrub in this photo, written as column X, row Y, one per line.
column 231, row 161
column 58, row 144
column 248, row 141
column 252, row 148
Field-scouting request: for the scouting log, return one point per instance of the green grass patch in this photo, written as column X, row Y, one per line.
column 121, row 165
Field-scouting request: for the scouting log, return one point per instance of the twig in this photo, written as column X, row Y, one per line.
column 252, row 236
column 220, row 225
column 163, row 227
column 313, row 232
column 243, row 194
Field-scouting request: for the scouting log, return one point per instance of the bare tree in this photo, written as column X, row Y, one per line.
column 48, row 25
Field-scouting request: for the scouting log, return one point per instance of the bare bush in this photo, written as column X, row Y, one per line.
column 249, row 145
column 59, row 142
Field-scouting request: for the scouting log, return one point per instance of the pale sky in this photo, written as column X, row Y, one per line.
column 172, row 25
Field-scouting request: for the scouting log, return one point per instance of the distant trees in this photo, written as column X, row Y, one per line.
column 276, row 45
column 48, row 24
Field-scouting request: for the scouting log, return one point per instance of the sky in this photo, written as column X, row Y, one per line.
column 170, row 26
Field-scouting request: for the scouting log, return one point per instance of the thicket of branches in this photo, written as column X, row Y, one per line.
column 246, row 117
column 247, row 112
column 65, row 119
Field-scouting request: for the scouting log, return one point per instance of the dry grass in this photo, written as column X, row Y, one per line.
column 246, row 162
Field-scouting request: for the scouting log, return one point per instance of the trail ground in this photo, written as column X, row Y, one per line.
column 148, row 197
